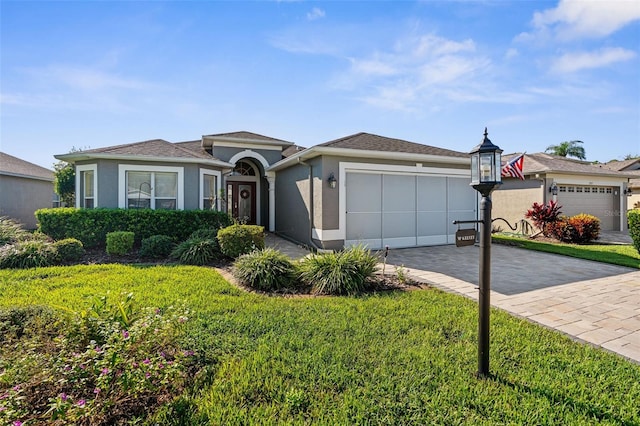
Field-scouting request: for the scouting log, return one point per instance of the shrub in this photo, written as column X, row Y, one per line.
column 634, row 227
column 69, row 250
column 117, row 376
column 91, row 226
column 196, row 252
column 236, row 240
column 11, row 231
column 27, row 254
column 119, row 242
column 344, row 272
column 544, row 215
column 265, row 269
column 28, row 321
column 578, row 229
column 204, row 234
column 157, row 246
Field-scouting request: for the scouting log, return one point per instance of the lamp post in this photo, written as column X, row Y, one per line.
column 485, row 177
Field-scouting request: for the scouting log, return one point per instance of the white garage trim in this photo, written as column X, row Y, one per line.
column 395, row 170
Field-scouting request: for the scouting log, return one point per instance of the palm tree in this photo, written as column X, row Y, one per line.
column 567, row 149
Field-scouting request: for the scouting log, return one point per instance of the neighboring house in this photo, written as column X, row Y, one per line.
column 24, row 188
column 629, row 167
column 581, row 187
column 362, row 188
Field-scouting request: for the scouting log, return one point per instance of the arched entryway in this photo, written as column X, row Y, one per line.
column 243, row 189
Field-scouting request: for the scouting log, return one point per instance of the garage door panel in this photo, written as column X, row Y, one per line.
column 399, row 224
column 364, row 226
column 593, row 200
column 399, row 193
column 400, row 210
column 432, row 193
column 364, row 192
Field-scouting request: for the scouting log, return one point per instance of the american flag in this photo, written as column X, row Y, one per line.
column 514, row 168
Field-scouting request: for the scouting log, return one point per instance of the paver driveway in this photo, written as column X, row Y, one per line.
column 591, row 301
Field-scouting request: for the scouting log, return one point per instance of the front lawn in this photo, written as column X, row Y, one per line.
column 623, row 255
column 385, row 358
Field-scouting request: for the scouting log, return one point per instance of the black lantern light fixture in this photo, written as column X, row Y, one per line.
column 553, row 189
column 485, row 177
column 332, row 181
column 627, row 192
column 485, row 166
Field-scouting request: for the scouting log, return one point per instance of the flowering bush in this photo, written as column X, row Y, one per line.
column 544, row 215
column 123, row 373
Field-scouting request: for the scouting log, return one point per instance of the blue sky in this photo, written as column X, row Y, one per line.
column 536, row 73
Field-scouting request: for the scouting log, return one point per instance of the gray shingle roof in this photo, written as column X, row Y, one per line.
column 289, row 151
column 15, row 166
column 151, row 148
column 370, row 142
column 545, row 163
column 633, row 164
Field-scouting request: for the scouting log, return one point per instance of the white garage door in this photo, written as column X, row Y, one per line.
column 403, row 210
column 594, row 200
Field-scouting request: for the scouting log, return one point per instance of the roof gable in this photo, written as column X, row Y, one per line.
column 626, row 165
column 244, row 136
column 15, row 166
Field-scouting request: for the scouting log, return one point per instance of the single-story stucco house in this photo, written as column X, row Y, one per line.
column 579, row 187
column 362, row 188
column 24, row 188
column 632, row 167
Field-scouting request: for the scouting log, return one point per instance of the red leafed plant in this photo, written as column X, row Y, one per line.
column 544, row 215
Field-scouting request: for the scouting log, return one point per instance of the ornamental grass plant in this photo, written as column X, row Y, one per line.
column 266, row 270
column 339, row 273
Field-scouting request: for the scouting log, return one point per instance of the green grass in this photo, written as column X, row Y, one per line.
column 623, row 255
column 387, row 358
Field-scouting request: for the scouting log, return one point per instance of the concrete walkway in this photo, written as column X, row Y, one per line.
column 589, row 301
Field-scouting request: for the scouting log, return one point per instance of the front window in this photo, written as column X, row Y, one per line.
column 208, row 192
column 86, row 184
column 152, row 190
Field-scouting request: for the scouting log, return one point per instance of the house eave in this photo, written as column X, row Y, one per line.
column 359, row 153
column 622, row 176
column 75, row 157
column 209, row 141
column 19, row 175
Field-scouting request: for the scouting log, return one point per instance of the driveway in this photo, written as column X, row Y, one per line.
column 590, row 301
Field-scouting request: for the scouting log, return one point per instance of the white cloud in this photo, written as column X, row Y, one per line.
column 316, row 13
column 572, row 62
column 573, row 19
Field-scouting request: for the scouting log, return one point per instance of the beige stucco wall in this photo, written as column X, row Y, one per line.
column 513, row 198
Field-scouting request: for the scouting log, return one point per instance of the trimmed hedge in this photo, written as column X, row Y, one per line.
column 634, row 227
column 120, row 242
column 91, row 226
column 236, row 240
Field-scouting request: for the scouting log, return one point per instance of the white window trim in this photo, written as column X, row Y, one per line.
column 218, row 176
column 122, row 181
column 79, row 194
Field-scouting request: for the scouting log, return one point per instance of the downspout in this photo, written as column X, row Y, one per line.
column 311, row 242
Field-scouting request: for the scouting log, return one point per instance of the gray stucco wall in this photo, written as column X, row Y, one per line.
column 225, row 153
column 21, row 197
column 292, row 201
column 108, row 181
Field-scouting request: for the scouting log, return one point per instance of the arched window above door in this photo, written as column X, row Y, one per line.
column 243, row 168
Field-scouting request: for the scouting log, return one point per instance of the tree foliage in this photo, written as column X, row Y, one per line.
column 65, row 182
column 568, row 149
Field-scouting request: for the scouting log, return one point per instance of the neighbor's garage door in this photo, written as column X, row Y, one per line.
column 402, row 210
column 595, row 200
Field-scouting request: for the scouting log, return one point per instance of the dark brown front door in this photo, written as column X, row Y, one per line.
column 241, row 201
